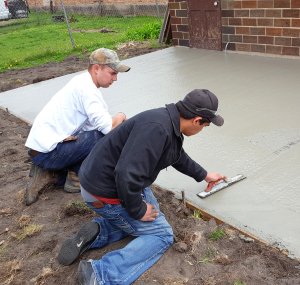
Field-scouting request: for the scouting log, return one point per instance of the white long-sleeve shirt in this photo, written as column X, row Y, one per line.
column 78, row 106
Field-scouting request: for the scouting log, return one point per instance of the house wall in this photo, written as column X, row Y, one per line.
column 264, row 26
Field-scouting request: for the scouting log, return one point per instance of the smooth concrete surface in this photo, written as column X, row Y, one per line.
column 259, row 99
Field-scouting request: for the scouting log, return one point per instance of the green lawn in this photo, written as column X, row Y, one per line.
column 38, row 39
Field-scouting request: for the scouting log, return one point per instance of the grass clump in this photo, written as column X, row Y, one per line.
column 29, row 231
column 239, row 282
column 217, row 234
column 77, row 208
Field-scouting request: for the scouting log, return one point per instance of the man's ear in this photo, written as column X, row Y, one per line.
column 196, row 120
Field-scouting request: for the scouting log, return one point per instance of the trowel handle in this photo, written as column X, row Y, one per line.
column 211, row 184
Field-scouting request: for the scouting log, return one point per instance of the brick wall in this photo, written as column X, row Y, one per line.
column 179, row 22
column 264, row 26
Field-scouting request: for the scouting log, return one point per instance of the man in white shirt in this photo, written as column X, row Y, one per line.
column 70, row 124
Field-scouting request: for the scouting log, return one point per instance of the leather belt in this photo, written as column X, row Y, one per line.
column 33, row 152
column 102, row 201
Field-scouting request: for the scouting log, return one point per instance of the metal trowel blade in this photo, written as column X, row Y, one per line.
column 222, row 185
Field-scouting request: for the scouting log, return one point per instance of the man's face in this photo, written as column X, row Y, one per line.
column 104, row 75
column 195, row 126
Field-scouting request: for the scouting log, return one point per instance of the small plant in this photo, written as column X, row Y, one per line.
column 217, row 234
column 29, row 231
column 238, row 282
column 77, row 208
column 197, row 214
column 208, row 256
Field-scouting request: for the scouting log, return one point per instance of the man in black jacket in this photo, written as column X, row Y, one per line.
column 115, row 180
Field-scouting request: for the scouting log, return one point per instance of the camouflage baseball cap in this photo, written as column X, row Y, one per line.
column 109, row 58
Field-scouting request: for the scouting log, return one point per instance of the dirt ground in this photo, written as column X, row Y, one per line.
column 30, row 237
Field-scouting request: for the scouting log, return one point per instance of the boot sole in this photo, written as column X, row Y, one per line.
column 72, row 248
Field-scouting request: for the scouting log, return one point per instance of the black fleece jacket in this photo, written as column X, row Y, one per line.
column 130, row 157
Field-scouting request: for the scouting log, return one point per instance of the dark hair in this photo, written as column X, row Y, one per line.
column 184, row 112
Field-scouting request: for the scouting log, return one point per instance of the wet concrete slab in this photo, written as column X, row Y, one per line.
column 259, row 99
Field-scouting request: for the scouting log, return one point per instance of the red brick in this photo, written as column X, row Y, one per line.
column 250, row 39
column 258, row 48
column 186, row 36
column 273, row 13
column 242, row 13
column 249, row 4
column 292, row 13
column 265, row 4
column 177, row 35
column 236, row 39
column 295, row 4
column 296, row 42
column 296, row 23
column 235, row 21
column 282, row 4
column 183, row 5
column 290, row 50
column 174, row 28
column 235, row 4
column 273, row 31
column 243, row 47
column 273, row 49
column 266, row 40
column 265, row 22
column 288, row 32
column 257, row 31
column 174, row 6
column 249, row 22
column 282, row 22
column 175, row 21
column 257, row 13
column 281, row 41
column 184, row 21
column 225, row 21
column 242, row 30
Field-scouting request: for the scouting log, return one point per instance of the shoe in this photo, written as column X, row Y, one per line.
column 72, row 184
column 72, row 248
column 86, row 274
column 38, row 180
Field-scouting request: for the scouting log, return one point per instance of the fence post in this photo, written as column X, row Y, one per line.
column 68, row 25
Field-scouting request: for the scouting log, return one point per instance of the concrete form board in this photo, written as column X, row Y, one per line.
column 259, row 99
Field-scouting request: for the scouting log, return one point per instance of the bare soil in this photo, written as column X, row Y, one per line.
column 30, row 237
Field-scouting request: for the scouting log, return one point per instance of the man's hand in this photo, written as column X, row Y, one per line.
column 151, row 214
column 118, row 119
column 70, row 138
column 212, row 179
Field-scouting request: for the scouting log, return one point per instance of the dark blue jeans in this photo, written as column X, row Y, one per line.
column 68, row 155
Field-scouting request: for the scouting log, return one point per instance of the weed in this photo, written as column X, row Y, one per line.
column 208, row 256
column 217, row 234
column 197, row 214
column 29, row 231
column 238, row 282
column 77, row 208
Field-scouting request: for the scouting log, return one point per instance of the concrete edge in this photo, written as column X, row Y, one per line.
column 208, row 216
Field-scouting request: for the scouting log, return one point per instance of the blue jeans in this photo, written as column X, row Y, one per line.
column 68, row 155
column 152, row 239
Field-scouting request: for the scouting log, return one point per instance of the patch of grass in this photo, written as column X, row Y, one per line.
column 29, row 231
column 217, row 234
column 209, row 256
column 197, row 214
column 77, row 208
column 37, row 39
column 238, row 282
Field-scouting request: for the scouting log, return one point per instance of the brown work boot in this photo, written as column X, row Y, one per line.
column 72, row 184
column 38, row 180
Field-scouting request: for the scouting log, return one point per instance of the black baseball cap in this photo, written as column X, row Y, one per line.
column 203, row 103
